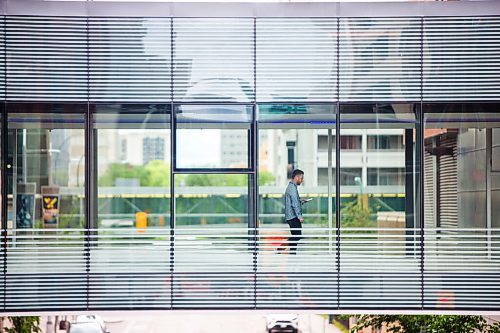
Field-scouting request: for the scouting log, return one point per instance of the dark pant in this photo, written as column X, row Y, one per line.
column 296, row 231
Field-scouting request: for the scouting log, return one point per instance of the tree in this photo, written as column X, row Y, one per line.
column 158, row 174
column 28, row 324
column 355, row 216
column 428, row 324
column 266, row 178
column 155, row 173
column 122, row 170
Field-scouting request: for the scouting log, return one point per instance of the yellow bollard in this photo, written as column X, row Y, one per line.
column 365, row 200
column 141, row 222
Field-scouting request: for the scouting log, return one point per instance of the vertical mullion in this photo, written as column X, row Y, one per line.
column 420, row 186
column 409, row 190
column 88, row 172
column 172, row 164
column 489, row 155
column 329, row 195
column 420, row 157
column 4, row 194
column 88, row 195
column 255, row 166
column 337, row 167
column 3, row 167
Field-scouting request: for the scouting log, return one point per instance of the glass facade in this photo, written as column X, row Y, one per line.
column 46, row 203
column 144, row 163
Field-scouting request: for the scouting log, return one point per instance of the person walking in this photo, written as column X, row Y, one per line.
column 293, row 210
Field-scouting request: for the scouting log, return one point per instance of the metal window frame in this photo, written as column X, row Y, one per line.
column 217, row 9
column 252, row 172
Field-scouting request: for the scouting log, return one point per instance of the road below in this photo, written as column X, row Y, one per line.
column 207, row 323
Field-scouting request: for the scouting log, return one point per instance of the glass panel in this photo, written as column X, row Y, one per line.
column 129, row 59
column 495, row 178
column 461, row 162
column 296, row 59
column 386, row 176
column 379, row 59
column 8, row 166
column 385, row 142
column 296, row 137
column 213, row 60
column 455, row 144
column 46, row 58
column 213, row 235
column 286, row 115
column 378, row 201
column 213, row 136
column 131, row 240
column 452, row 69
column 46, row 206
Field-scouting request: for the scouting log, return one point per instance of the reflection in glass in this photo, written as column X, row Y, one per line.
column 379, row 59
column 2, row 164
column 46, row 206
column 213, row 234
column 132, row 170
column 495, row 177
column 374, row 178
column 296, row 136
column 213, row 136
column 378, row 200
column 129, row 59
column 46, row 181
column 296, row 59
column 212, row 199
column 461, row 200
column 133, row 164
column 457, row 148
column 213, row 59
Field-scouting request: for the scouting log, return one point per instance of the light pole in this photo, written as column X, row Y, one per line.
column 360, row 196
column 78, row 170
column 78, row 182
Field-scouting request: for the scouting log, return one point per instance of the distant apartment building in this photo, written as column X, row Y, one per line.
column 153, row 148
column 141, row 147
column 234, row 148
column 376, row 156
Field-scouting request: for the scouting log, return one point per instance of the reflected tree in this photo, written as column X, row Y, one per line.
column 423, row 323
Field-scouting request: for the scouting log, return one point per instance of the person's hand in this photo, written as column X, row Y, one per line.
column 301, row 220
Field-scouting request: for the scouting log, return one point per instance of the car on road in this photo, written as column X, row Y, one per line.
column 86, row 327
column 91, row 319
column 279, row 323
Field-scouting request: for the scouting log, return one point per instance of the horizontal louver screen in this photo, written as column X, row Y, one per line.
column 461, row 59
column 46, row 58
column 296, row 60
column 395, row 279
column 129, row 268
column 2, row 59
column 213, row 60
column 46, row 269
column 462, row 268
column 380, row 59
column 224, row 267
column 130, row 59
